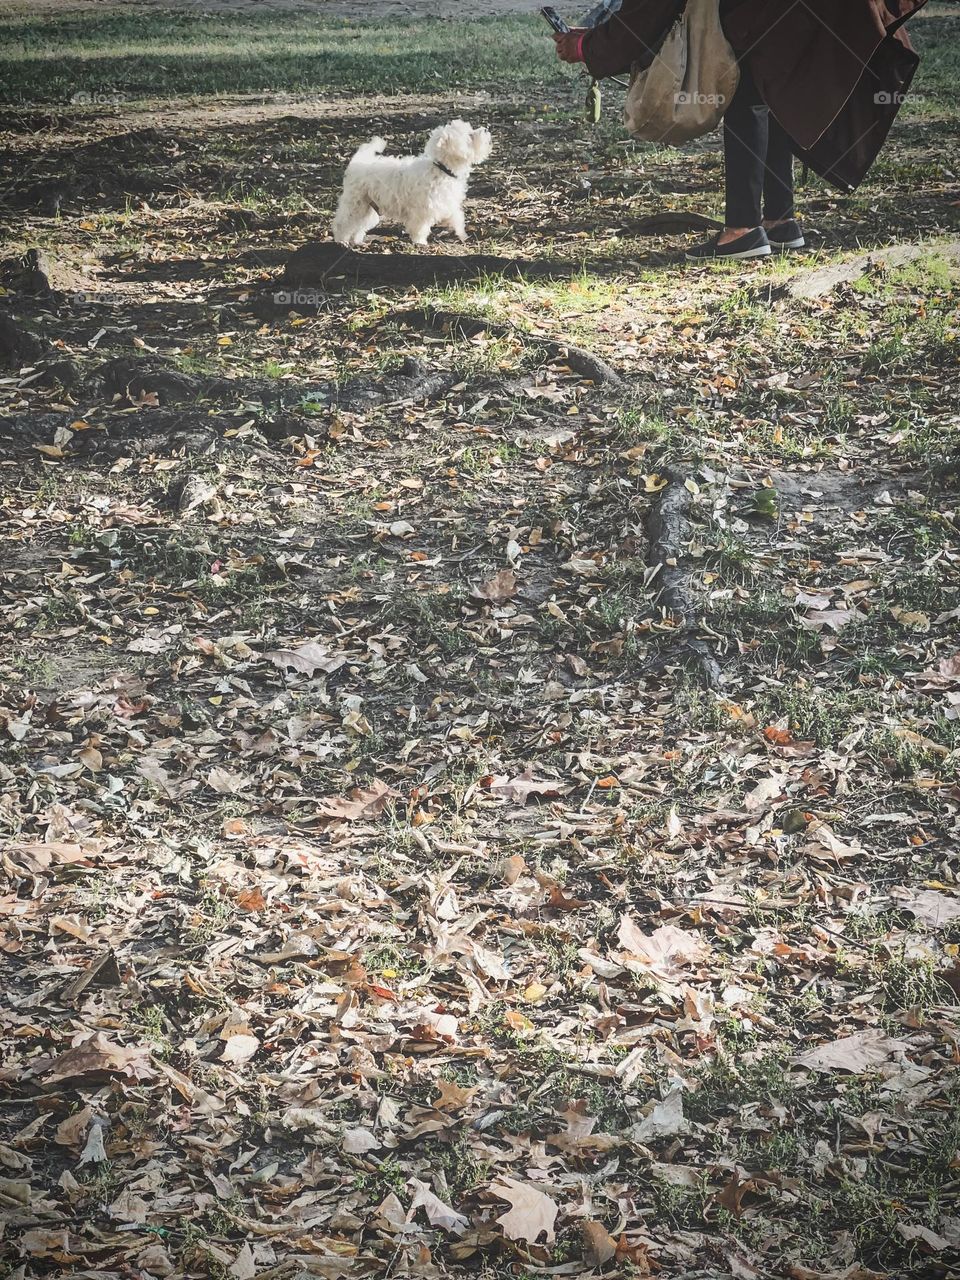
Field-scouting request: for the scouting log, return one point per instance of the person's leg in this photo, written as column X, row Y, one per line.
column 778, row 177
column 745, row 138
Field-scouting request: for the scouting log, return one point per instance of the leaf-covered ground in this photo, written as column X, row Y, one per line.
column 461, row 815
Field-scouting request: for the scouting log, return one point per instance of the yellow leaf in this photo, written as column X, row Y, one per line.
column 534, row 993
column 911, row 619
column 224, row 341
column 654, row 482
column 516, row 1021
column 51, row 450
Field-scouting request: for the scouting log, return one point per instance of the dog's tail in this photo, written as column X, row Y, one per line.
column 375, row 147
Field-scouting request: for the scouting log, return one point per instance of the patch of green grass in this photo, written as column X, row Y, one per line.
column 431, row 618
column 730, row 557
column 824, row 715
column 151, row 1018
column 388, row 1176
column 36, row 671
column 770, row 624
column 909, row 982
column 116, row 56
column 907, row 757
column 637, row 425
column 917, row 532
column 212, row 913
column 463, row 1170
column 386, row 959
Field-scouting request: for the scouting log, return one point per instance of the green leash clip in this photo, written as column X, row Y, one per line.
column 594, row 103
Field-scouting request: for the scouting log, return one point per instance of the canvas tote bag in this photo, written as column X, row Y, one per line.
column 687, row 88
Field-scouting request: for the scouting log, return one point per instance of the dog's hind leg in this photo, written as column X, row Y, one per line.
column 366, row 224
column 354, row 217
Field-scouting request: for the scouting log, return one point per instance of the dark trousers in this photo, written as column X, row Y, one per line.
column 758, row 160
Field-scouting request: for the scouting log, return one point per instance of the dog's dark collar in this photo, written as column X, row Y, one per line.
column 443, row 169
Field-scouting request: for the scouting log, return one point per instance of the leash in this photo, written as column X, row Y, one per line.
column 594, row 103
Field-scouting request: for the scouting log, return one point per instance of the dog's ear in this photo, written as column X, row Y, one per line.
column 445, row 139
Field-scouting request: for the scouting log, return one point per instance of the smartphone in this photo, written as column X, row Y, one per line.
column 555, row 20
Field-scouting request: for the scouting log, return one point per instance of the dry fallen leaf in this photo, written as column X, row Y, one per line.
column 244, row 1266
column 496, row 590
column 532, row 1213
column 72, row 1131
column 357, row 1141
column 513, row 869
column 599, row 1245
column 307, row 659
column 666, row 949
column 438, row 1213
column 363, row 802
column 98, row 1055
column 767, row 789
column 239, row 1048
column 524, row 785
column 933, row 908
column 857, row 1053
column 226, row 783
column 665, row 1120
column 827, row 619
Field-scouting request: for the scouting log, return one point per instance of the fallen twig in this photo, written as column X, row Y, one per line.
column 579, row 360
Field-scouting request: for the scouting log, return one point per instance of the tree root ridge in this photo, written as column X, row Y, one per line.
column 137, row 378
column 668, row 531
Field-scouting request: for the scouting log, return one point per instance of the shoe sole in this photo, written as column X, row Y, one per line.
column 762, row 251
column 788, row 244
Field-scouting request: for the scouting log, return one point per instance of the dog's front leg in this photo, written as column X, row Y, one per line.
column 457, row 225
column 419, row 232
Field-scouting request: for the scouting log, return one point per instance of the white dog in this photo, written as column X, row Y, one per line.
column 418, row 191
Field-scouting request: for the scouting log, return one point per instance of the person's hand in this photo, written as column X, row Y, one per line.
column 568, row 44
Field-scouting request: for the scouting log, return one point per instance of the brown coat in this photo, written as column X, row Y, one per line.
column 833, row 72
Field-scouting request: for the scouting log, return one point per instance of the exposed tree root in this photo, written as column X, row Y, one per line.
column 330, row 265
column 668, row 531
column 670, row 223
column 18, row 346
column 810, row 285
column 580, row 361
column 137, row 379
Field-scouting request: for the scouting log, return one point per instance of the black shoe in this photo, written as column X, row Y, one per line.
column 786, row 235
column 752, row 245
